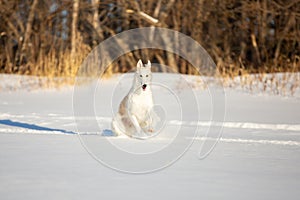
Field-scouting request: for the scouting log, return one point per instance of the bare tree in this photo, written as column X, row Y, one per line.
column 246, row 35
column 28, row 29
column 74, row 27
column 96, row 20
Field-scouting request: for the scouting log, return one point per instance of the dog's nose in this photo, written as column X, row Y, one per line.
column 144, row 86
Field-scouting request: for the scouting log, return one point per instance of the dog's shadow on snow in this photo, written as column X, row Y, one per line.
column 9, row 122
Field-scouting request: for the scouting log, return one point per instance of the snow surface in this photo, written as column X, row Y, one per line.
column 44, row 155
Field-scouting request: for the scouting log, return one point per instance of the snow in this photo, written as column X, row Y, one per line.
column 50, row 151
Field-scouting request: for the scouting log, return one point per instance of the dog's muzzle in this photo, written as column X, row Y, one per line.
column 144, row 86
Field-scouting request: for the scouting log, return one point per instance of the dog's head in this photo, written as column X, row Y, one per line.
column 143, row 74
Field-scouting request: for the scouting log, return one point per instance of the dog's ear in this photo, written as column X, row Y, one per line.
column 149, row 64
column 139, row 64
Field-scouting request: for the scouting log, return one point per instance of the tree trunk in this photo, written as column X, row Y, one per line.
column 95, row 4
column 74, row 27
column 28, row 30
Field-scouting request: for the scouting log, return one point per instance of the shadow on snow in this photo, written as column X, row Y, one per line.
column 32, row 126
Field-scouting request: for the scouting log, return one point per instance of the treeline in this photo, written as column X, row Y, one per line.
column 52, row 37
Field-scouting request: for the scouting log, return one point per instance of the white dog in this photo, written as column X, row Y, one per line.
column 136, row 117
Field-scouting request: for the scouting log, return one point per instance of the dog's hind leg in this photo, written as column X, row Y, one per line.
column 115, row 125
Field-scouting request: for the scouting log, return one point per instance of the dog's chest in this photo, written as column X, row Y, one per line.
column 141, row 103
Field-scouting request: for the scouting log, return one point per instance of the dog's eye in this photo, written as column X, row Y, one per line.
column 141, row 75
column 147, row 75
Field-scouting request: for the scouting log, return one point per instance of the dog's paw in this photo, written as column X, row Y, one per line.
column 150, row 130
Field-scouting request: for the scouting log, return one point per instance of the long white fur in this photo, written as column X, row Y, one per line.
column 135, row 116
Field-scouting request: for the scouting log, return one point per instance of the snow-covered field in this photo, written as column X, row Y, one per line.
column 44, row 155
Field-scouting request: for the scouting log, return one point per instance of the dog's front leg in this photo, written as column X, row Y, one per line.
column 135, row 123
column 152, row 120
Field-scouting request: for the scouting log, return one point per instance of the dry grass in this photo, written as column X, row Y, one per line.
column 248, row 40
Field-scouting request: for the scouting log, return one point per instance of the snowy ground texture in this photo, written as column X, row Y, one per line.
column 42, row 156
